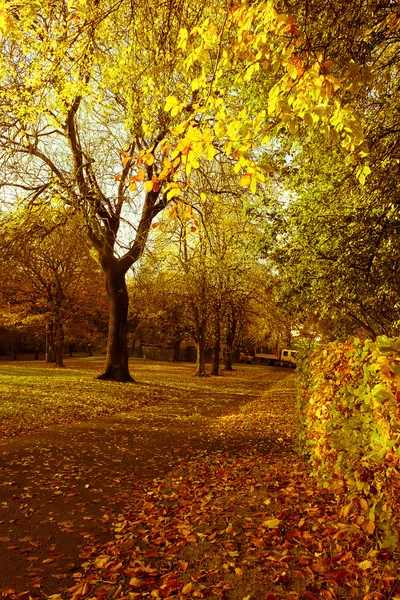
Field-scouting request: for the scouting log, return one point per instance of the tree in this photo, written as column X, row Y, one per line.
column 111, row 106
column 47, row 277
column 337, row 239
column 158, row 305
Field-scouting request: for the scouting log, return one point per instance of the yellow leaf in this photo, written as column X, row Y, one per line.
column 148, row 159
column 148, row 186
column 366, row 170
column 187, row 588
column 176, row 162
column 140, row 176
column 126, row 159
column 320, row 110
column 187, row 215
column 210, row 152
column 183, row 38
column 134, row 582
column 271, row 523
column 334, row 136
column 369, row 527
column 253, row 185
column 170, row 102
column 365, row 564
column 308, row 119
column 132, row 186
column 245, row 180
column 174, row 193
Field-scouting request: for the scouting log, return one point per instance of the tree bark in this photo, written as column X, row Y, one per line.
column 117, row 367
column 216, row 350
column 229, row 339
column 200, row 326
column 50, row 348
column 89, row 349
column 201, row 354
column 177, row 346
column 59, row 344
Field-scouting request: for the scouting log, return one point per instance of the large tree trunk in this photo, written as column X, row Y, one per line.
column 117, row 368
column 59, row 344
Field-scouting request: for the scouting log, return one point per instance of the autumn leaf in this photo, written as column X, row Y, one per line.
column 245, row 180
column 365, row 564
column 187, row 589
column 271, row 523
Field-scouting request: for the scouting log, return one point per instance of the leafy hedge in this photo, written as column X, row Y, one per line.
column 350, row 430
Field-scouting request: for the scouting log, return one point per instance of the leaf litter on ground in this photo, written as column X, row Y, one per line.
column 245, row 522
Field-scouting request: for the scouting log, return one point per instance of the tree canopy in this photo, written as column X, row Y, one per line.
column 110, row 108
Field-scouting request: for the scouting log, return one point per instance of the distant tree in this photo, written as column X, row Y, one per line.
column 48, row 278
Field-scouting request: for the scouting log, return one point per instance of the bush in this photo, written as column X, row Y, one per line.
column 350, row 430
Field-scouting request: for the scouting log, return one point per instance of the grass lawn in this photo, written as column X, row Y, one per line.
column 34, row 395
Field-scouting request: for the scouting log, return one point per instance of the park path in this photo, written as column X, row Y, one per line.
column 61, row 489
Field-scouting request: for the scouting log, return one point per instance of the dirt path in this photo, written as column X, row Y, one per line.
column 61, row 489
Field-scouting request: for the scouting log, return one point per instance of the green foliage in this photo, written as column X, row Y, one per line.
column 350, row 428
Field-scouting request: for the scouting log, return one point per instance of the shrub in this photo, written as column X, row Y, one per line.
column 350, row 430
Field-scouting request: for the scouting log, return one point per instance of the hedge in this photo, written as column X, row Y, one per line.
column 349, row 402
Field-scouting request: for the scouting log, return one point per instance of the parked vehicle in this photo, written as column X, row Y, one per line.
column 245, row 358
column 281, row 358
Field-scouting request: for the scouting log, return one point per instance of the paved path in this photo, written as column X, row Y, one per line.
column 61, row 489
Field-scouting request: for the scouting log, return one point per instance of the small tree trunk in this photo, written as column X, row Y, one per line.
column 200, row 325
column 228, row 359
column 177, row 346
column 36, row 357
column 117, row 368
column 89, row 350
column 230, row 338
column 50, row 349
column 70, row 348
column 201, row 355
column 59, row 344
column 216, row 349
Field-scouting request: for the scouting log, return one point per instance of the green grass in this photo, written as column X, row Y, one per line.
column 34, row 395
column 37, row 395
